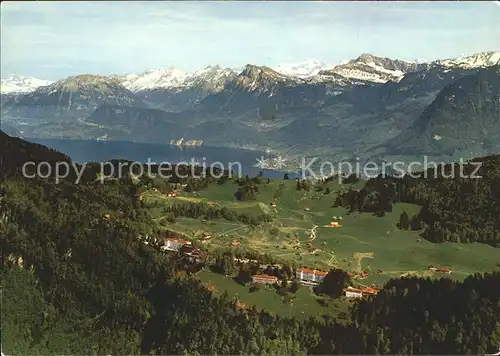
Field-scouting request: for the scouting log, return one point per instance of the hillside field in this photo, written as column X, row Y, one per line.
column 363, row 242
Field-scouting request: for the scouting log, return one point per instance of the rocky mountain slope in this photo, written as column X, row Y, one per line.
column 465, row 115
column 370, row 68
column 259, row 92
column 475, row 61
column 176, row 90
column 346, row 111
column 137, row 124
column 73, row 97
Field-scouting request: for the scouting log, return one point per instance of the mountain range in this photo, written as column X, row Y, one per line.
column 366, row 106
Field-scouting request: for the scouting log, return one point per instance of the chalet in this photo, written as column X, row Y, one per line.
column 310, row 276
column 171, row 194
column 444, row 270
column 106, row 216
column 174, row 244
column 370, row 291
column 363, row 275
column 334, row 224
column 235, row 243
column 244, row 260
column 264, row 279
column 273, row 204
column 351, row 292
column 433, row 268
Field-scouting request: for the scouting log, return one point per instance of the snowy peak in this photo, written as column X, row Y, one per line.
column 211, row 78
column 478, row 60
column 261, row 78
column 154, row 79
column 395, row 65
column 81, row 92
column 301, row 70
column 370, row 68
column 83, row 83
column 21, row 85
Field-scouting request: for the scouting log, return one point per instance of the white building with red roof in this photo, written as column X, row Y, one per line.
column 174, row 244
column 310, row 276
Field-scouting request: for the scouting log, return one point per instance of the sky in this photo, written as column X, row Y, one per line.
column 52, row 40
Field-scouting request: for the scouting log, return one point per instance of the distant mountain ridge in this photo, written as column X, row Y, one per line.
column 73, row 95
column 20, row 85
column 366, row 67
column 336, row 112
column 465, row 114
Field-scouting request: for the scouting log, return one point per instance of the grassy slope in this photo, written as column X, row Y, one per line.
column 305, row 302
column 393, row 251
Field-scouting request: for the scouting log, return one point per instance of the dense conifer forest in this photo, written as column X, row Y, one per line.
column 78, row 279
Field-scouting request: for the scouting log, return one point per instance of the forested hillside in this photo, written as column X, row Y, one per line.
column 77, row 278
column 456, row 207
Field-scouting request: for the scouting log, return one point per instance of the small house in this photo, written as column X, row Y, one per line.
column 174, row 244
column 334, row 224
column 363, row 275
column 444, row 270
column 370, row 291
column 235, row 243
column 264, row 279
column 351, row 292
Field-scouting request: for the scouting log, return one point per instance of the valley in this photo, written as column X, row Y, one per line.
column 285, row 225
column 250, row 178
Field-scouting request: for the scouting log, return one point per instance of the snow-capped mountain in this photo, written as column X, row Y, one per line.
column 370, row 68
column 365, row 69
column 74, row 96
column 154, row 79
column 175, row 79
column 303, row 69
column 262, row 78
column 211, row 78
column 16, row 84
column 478, row 60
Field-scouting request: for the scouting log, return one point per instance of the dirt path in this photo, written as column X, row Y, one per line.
column 359, row 257
column 333, row 260
column 312, row 234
